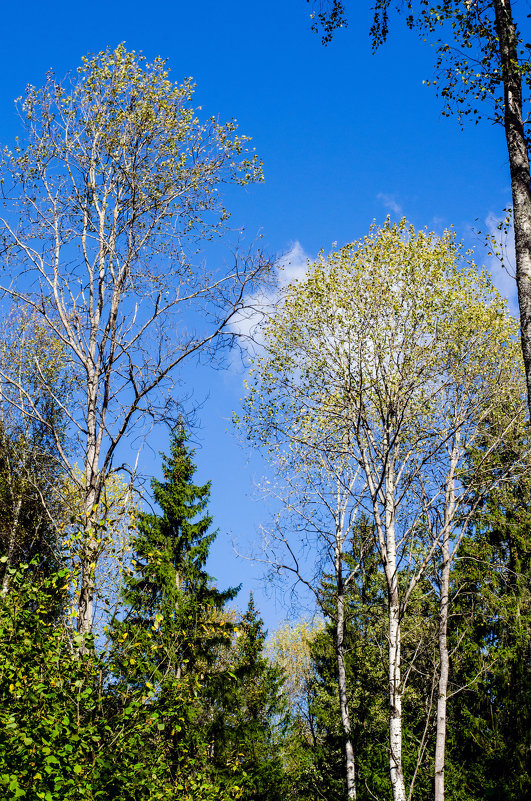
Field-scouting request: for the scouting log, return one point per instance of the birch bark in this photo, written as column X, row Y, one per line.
column 395, row 652
column 517, row 149
column 444, row 670
column 350, row 765
column 11, row 544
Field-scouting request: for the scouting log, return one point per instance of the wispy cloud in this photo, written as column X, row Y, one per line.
column 290, row 267
column 501, row 263
column 293, row 265
column 389, row 202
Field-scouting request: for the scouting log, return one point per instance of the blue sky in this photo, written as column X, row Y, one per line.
column 346, row 137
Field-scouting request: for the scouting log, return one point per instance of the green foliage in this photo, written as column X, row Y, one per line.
column 71, row 729
column 28, row 476
column 172, row 625
column 173, row 620
column 399, row 328
column 490, row 724
column 129, row 723
column 47, row 732
column 250, row 714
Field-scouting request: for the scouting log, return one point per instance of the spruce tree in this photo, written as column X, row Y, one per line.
column 490, row 719
column 173, row 606
column 250, row 714
column 173, row 624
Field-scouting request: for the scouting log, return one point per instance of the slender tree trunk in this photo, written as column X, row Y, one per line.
column 93, row 488
column 89, row 556
column 350, row 766
column 180, row 666
column 387, row 543
column 444, row 669
column 86, row 593
column 395, row 685
column 395, row 701
column 88, row 576
column 444, row 658
column 11, row 545
column 520, row 174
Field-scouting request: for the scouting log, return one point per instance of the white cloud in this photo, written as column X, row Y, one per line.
column 389, row 202
column 292, row 266
column 502, row 269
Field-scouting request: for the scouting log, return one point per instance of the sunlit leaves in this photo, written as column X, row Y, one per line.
column 382, row 332
column 129, row 137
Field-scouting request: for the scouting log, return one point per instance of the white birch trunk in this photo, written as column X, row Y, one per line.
column 395, row 686
column 11, row 545
column 350, row 766
column 88, row 570
column 93, row 481
column 89, row 552
column 444, row 658
column 444, row 669
column 395, row 698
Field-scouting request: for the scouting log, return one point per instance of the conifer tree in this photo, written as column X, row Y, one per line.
column 251, row 713
column 174, row 615
column 174, row 624
column 491, row 716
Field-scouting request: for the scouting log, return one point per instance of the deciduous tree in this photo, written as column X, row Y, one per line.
column 386, row 358
column 483, row 69
column 107, row 197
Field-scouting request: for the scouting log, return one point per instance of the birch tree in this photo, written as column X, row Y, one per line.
column 451, row 514
column 482, row 69
column 311, row 535
column 317, row 491
column 391, row 349
column 107, row 198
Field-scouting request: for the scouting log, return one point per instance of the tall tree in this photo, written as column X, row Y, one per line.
column 172, row 624
column 318, row 511
column 483, row 68
column 365, row 640
column 490, row 719
column 132, row 720
column 387, row 356
column 173, row 607
column 114, row 187
column 365, row 681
